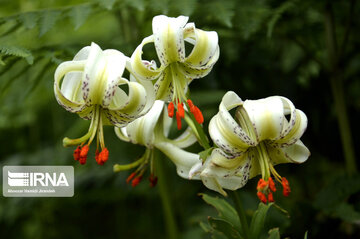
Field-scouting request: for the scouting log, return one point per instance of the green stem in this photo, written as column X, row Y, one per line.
column 165, row 196
column 338, row 92
column 241, row 213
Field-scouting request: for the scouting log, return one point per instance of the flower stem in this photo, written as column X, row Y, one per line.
column 165, row 196
column 241, row 213
column 337, row 87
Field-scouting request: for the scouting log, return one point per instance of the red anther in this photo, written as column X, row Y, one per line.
column 178, row 120
column 191, row 105
column 104, row 155
column 270, row 197
column 76, row 153
column 198, row 115
column 272, row 185
column 153, row 180
column 83, row 154
column 136, row 181
column 97, row 157
column 261, row 184
column 171, row 109
column 262, row 197
column 180, row 109
column 286, row 187
column 132, row 175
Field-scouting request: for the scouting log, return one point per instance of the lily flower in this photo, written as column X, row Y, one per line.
column 151, row 130
column 89, row 85
column 177, row 70
column 263, row 133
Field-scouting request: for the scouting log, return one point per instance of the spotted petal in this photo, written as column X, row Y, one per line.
column 295, row 153
column 216, row 177
column 169, row 38
column 141, row 68
column 225, row 131
column 267, row 117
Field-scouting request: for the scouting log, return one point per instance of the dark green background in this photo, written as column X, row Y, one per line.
column 267, row 48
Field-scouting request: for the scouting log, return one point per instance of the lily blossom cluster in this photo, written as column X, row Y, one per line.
column 261, row 134
column 177, row 70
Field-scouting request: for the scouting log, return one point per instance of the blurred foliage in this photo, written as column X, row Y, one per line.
column 267, row 48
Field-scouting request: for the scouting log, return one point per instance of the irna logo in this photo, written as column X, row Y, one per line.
column 38, row 181
column 34, row 179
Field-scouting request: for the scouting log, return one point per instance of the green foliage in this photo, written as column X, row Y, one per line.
column 17, row 51
column 332, row 198
column 258, row 220
column 274, row 233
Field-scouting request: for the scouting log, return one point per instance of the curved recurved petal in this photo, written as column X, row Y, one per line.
column 205, row 46
column 124, row 108
column 70, row 104
column 115, row 65
column 141, row 68
column 225, row 131
column 295, row 128
column 295, row 153
column 216, row 177
column 267, row 117
column 183, row 160
column 71, row 84
column 168, row 35
column 121, row 134
column 186, row 139
column 92, row 81
column 141, row 131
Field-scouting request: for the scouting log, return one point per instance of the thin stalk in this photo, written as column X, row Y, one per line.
column 241, row 213
column 165, row 196
column 338, row 92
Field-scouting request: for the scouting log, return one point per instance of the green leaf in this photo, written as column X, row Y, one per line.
column 222, row 11
column 29, row 19
column 48, row 20
column 338, row 189
column 274, row 233
column 277, row 15
column 258, row 219
column 225, row 227
column 79, row 14
column 107, row 4
column 306, row 233
column 17, row 51
column 225, row 210
column 206, row 227
column 205, row 154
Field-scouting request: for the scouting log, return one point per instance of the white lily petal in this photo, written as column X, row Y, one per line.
column 214, row 175
column 71, row 84
column 140, row 67
column 294, row 129
column 266, row 116
column 183, row 160
column 225, row 131
column 121, row 134
column 169, row 38
column 186, row 139
column 141, row 131
column 205, row 47
column 61, row 71
column 115, row 66
column 295, row 153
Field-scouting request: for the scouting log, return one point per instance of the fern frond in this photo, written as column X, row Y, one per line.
column 17, row 51
column 79, row 14
column 48, row 20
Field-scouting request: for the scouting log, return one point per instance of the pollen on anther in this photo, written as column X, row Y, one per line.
column 180, row 109
column 136, row 181
column 171, row 109
column 77, row 153
column 83, row 154
column 131, row 176
column 178, row 120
